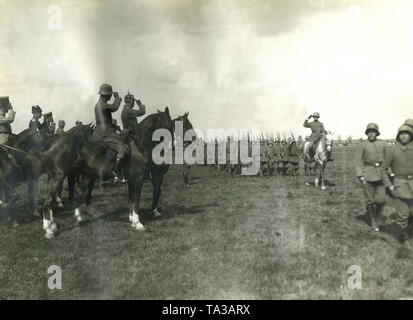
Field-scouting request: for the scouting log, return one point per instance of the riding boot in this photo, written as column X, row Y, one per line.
column 330, row 157
column 371, row 212
column 379, row 213
column 116, row 171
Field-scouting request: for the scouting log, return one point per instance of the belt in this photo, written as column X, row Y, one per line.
column 404, row 176
column 373, row 163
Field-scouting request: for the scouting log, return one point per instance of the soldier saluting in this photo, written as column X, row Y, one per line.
column 104, row 126
column 129, row 114
column 7, row 115
column 317, row 132
column 368, row 160
column 400, row 160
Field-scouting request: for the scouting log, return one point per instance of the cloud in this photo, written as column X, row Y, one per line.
column 242, row 64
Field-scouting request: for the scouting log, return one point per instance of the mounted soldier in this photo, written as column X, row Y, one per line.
column 104, row 131
column 61, row 127
column 368, row 160
column 400, row 160
column 48, row 123
column 35, row 121
column 317, row 132
column 129, row 115
column 7, row 115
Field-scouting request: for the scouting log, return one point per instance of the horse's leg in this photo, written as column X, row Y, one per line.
column 48, row 221
column 323, row 166
column 7, row 202
column 157, row 178
column 88, row 198
column 84, row 188
column 59, row 193
column 135, row 193
column 32, row 189
column 316, row 179
column 71, row 185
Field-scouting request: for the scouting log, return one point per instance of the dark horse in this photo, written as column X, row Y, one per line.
column 21, row 162
column 92, row 160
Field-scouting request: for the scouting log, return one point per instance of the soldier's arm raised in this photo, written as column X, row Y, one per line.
column 306, row 125
column 137, row 113
column 114, row 106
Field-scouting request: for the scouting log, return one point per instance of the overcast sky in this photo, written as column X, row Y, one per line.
column 232, row 64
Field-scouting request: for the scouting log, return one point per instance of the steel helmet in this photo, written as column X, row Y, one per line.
column 105, row 90
column 404, row 128
column 316, row 114
column 372, row 126
column 409, row 122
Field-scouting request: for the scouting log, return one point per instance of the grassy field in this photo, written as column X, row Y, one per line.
column 222, row 238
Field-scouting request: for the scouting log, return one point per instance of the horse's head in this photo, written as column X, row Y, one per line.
column 163, row 120
column 31, row 139
column 81, row 130
column 328, row 140
column 186, row 124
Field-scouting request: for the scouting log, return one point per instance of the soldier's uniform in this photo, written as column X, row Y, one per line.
column 400, row 160
column 272, row 157
column 7, row 115
column 35, row 121
column 129, row 115
column 48, row 123
column 104, row 131
column 276, row 154
column 293, row 156
column 60, row 130
column 368, row 161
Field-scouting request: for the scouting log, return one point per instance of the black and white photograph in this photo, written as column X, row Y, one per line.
column 206, row 150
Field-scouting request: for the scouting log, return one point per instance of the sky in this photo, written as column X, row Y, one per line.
column 238, row 64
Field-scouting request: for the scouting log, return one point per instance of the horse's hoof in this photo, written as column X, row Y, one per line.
column 156, row 213
column 53, row 227
column 49, row 235
column 60, row 205
column 36, row 213
column 307, row 184
column 139, row 227
column 15, row 224
column 323, row 188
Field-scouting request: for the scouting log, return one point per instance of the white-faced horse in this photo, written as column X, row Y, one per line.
column 323, row 148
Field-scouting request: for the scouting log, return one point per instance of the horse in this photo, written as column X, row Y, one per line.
column 21, row 162
column 141, row 163
column 308, row 161
column 93, row 160
column 322, row 149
